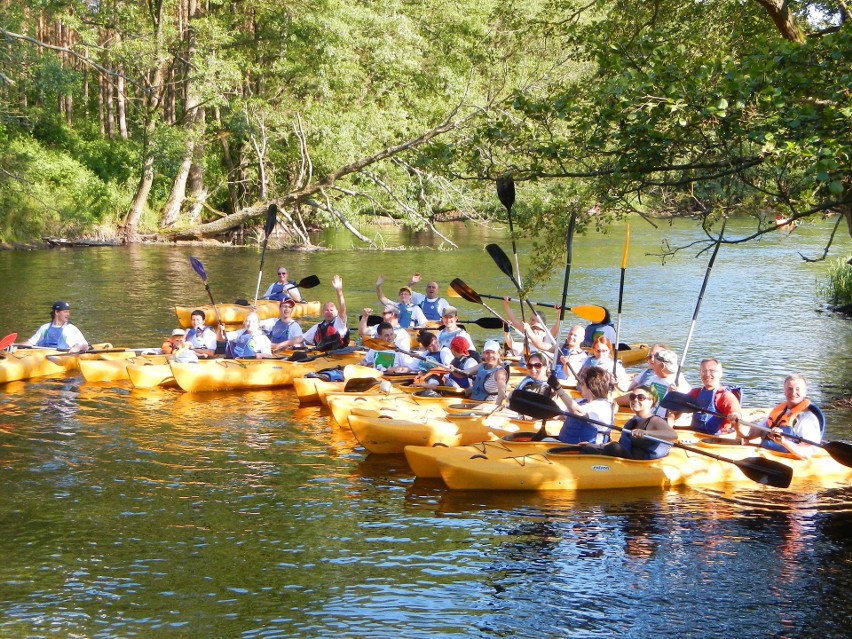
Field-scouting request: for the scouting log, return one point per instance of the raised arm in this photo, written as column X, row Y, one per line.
column 337, row 284
column 363, row 329
column 382, row 297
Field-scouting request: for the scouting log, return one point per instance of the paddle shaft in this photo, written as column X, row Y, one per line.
column 698, row 303
column 569, row 251
column 379, row 345
column 620, row 299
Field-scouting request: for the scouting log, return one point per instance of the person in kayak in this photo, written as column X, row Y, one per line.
column 282, row 288
column 632, row 443
column 572, row 356
column 410, row 314
column 286, row 332
column 490, row 377
column 202, row 338
column 432, row 306
column 249, row 341
column 389, row 360
column 333, row 320
column 797, row 415
column 59, row 332
column 713, row 396
column 594, row 386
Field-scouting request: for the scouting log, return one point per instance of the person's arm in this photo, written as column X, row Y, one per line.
column 727, row 403
column 294, row 293
column 337, row 284
column 417, row 317
column 385, row 301
column 74, row 339
column 658, row 427
column 510, row 316
column 363, row 329
column 501, row 377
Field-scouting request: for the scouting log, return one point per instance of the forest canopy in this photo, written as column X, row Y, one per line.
column 176, row 118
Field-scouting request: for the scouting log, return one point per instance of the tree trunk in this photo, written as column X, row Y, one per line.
column 784, row 19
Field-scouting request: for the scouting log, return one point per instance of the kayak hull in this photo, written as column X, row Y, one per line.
column 232, row 314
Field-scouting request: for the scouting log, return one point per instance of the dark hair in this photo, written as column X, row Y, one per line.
column 199, row 312
column 383, row 326
column 597, row 380
column 425, row 338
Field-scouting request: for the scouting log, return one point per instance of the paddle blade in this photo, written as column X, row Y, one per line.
column 506, row 190
column 533, row 405
column 198, row 267
column 298, row 356
column 465, row 291
column 501, row 260
column 590, row 313
column 841, row 452
column 374, row 320
column 376, row 344
column 491, row 323
column 308, row 282
column 7, row 341
column 680, row 403
column 766, row 471
column 271, row 219
column 451, row 292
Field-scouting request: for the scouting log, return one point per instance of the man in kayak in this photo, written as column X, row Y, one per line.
column 390, row 314
column 283, row 288
column 715, row 397
column 59, row 332
column 200, row 337
column 797, row 415
column 432, row 305
column 387, row 360
column 286, row 332
column 572, row 356
column 410, row 314
column 333, row 322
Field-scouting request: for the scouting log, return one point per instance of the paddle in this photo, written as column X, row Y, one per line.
column 198, row 267
column 379, row 345
column 502, row 261
column 93, row 351
column 271, row 218
column 569, row 252
column 472, row 296
column 683, row 403
column 763, row 471
column 310, row 281
column 7, row 341
column 620, row 298
column 490, row 323
column 698, row 303
column 589, row 312
column 506, row 192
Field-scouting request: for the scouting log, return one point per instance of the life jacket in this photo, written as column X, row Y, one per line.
column 478, row 391
column 51, row 336
column 577, row 431
column 171, row 345
column 405, row 315
column 706, row 399
column 647, row 449
column 460, row 380
column 535, row 386
column 243, row 346
column 430, row 309
column 784, row 418
column 195, row 336
column 327, row 329
column 277, row 293
column 280, row 331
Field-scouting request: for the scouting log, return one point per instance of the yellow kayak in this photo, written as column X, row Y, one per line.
column 148, row 374
column 235, row 314
column 230, row 374
column 25, row 363
column 377, row 403
column 112, row 369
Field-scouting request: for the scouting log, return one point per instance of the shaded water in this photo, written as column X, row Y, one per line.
column 159, row 513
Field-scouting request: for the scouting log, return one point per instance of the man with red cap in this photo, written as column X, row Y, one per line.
column 461, row 360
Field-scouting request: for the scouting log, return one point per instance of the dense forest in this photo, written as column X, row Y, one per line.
column 165, row 119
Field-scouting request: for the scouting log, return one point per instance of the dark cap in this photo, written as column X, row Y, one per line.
column 61, row 306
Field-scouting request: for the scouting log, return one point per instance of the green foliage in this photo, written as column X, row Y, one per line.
column 46, row 192
column 837, row 287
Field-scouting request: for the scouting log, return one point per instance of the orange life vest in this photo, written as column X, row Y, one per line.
column 781, row 416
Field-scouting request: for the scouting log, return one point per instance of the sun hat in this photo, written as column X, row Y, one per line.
column 491, row 345
column 404, row 288
column 668, row 359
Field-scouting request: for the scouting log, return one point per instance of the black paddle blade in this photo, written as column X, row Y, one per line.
column 491, row 323
column 680, row 403
column 533, row 405
column 506, row 190
column 766, row 471
column 198, row 267
column 465, row 291
column 271, row 219
column 841, row 452
column 374, row 320
column 501, row 260
column 308, row 282
column 299, row 356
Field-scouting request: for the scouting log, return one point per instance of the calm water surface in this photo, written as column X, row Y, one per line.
column 131, row 513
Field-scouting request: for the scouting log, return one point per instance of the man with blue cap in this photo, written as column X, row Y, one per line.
column 59, row 333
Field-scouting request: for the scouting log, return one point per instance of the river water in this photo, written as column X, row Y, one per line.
column 164, row 514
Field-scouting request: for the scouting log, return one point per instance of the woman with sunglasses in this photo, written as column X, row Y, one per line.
column 632, row 443
column 536, row 378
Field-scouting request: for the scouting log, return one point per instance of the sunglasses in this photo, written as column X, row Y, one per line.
column 637, row 396
column 282, row 272
column 534, row 365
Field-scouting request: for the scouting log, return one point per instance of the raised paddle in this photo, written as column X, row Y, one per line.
column 620, row 298
column 268, row 227
column 763, row 471
column 473, row 297
column 198, row 267
column 310, row 281
column 569, row 253
column 698, row 303
column 683, row 403
column 379, row 345
column 502, row 261
column 589, row 312
column 506, row 193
